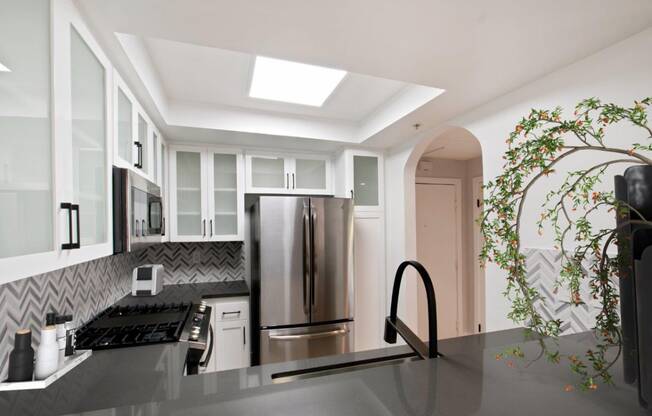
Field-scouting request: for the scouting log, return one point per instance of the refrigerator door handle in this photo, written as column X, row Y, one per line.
column 313, row 335
column 314, row 270
column 307, row 255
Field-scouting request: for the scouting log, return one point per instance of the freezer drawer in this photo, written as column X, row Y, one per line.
column 278, row 345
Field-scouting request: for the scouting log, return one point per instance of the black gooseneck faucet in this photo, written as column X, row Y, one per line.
column 394, row 325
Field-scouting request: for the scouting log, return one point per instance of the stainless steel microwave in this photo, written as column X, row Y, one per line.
column 138, row 217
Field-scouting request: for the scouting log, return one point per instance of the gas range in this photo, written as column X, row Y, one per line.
column 128, row 326
column 136, row 325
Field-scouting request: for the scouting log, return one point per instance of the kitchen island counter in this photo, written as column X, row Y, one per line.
column 468, row 380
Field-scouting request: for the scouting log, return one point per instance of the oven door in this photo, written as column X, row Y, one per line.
column 207, row 362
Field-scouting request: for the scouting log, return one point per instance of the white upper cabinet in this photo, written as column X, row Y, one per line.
column 27, row 188
column 206, row 194
column 360, row 176
column 56, row 130
column 83, row 129
column 136, row 140
column 282, row 174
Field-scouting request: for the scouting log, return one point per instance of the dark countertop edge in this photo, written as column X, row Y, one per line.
column 191, row 292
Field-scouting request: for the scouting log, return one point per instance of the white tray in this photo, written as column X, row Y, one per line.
column 68, row 364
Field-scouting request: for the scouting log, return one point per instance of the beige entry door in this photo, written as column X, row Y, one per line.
column 437, row 249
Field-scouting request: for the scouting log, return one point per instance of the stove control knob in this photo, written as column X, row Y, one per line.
column 202, row 307
column 195, row 329
column 194, row 337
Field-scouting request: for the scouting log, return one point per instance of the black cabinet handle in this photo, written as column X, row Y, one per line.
column 163, row 226
column 70, row 245
column 143, row 226
column 139, row 159
column 244, row 336
column 204, row 232
column 136, row 228
column 293, row 187
column 287, row 181
column 211, row 227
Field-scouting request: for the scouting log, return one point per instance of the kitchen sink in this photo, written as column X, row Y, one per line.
column 345, row 367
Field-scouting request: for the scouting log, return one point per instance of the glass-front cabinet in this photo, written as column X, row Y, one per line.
column 206, row 194
column 283, row 174
column 360, row 177
column 54, row 176
column 27, row 187
column 136, row 143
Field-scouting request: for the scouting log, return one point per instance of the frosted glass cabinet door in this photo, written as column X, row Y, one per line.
column 268, row 173
column 365, row 181
column 26, row 179
column 142, row 161
column 310, row 174
column 155, row 158
column 225, row 195
column 125, row 126
column 88, row 110
column 188, row 193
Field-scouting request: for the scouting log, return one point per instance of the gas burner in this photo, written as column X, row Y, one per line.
column 128, row 326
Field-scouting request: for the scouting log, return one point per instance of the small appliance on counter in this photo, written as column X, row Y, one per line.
column 147, row 280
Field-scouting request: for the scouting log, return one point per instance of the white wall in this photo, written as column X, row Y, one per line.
column 620, row 73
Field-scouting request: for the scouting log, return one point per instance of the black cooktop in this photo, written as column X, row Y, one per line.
column 128, row 326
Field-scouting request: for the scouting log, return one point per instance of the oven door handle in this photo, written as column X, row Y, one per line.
column 210, row 348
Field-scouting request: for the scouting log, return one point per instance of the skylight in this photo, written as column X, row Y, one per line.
column 4, row 68
column 293, row 82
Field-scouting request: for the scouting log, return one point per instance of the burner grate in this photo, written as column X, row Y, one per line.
column 128, row 326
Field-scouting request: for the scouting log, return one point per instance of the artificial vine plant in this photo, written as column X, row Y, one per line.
column 538, row 143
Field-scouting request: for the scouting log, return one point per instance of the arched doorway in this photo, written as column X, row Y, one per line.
column 447, row 201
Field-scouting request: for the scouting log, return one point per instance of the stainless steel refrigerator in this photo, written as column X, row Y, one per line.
column 302, row 280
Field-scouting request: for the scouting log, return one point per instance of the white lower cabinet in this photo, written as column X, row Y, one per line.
column 231, row 337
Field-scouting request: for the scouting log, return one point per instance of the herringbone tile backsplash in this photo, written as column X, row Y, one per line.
column 197, row 262
column 88, row 288
column 544, row 267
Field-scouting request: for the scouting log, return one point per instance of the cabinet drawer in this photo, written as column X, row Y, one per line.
column 230, row 309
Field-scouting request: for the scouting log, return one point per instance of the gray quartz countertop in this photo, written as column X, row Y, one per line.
column 189, row 292
column 468, row 380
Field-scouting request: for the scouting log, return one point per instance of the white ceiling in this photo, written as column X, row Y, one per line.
column 216, row 76
column 475, row 50
column 455, row 144
column 203, row 87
